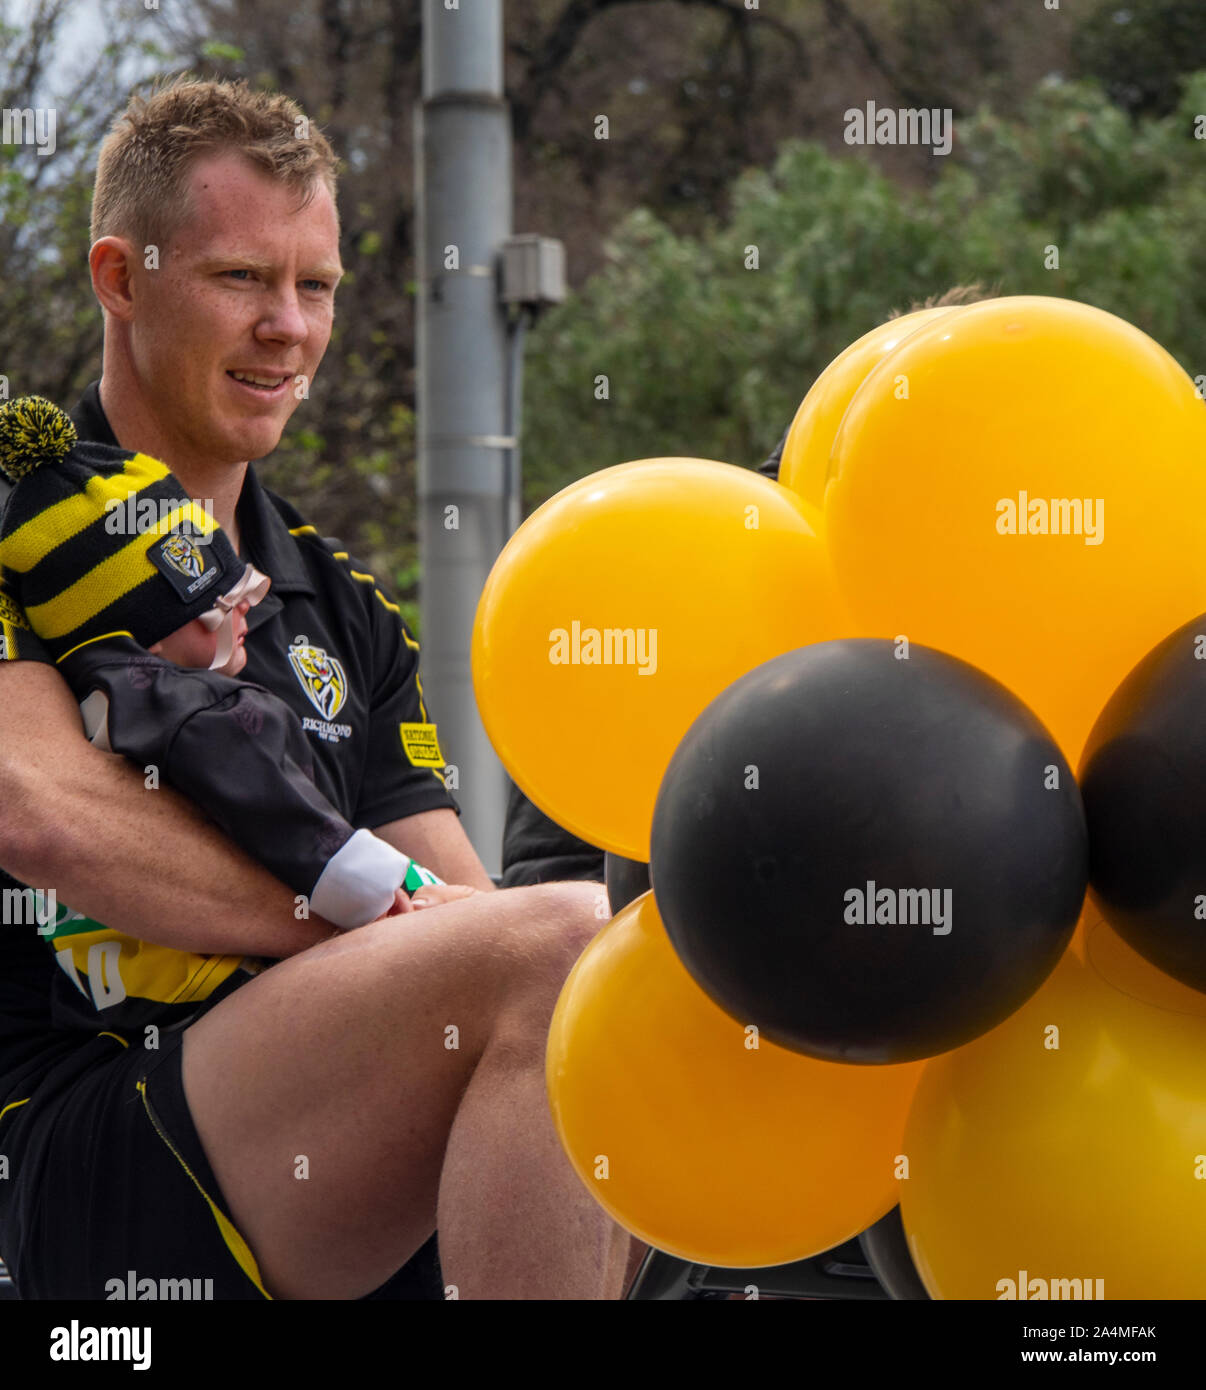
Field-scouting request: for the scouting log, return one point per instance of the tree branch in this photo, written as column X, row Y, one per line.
column 840, row 15
column 562, row 38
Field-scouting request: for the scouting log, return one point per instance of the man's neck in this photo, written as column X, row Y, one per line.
column 205, row 481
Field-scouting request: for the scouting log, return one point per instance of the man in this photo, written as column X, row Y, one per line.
column 298, row 1132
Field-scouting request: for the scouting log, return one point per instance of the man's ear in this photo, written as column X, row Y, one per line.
column 111, row 261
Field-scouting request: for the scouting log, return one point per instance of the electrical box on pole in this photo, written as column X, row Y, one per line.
column 533, row 271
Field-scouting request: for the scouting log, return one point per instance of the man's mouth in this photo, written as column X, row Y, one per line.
column 266, row 383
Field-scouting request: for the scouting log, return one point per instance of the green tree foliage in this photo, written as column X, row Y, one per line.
column 50, row 329
column 1142, row 50
column 706, row 357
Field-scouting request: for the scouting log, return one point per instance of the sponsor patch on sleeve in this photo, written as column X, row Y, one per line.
column 421, row 745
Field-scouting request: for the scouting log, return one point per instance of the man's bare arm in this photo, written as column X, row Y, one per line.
column 437, row 841
column 145, row 862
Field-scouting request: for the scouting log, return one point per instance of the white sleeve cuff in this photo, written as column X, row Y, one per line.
column 94, row 709
column 358, row 884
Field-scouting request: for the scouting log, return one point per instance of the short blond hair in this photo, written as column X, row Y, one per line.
column 957, row 294
column 146, row 158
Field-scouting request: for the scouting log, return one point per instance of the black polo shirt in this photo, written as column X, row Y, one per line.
column 328, row 642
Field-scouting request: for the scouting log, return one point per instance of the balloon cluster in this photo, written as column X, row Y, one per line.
column 838, row 714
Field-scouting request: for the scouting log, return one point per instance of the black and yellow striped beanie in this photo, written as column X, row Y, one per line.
column 96, row 540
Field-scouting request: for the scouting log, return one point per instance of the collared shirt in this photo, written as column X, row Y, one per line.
column 328, row 641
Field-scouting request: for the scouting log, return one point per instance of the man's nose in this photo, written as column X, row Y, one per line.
column 286, row 319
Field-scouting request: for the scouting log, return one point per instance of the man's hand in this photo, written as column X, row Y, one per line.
column 432, row 894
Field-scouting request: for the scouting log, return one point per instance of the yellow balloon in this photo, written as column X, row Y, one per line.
column 619, row 610
column 1038, row 1156
column 1023, row 484
column 804, row 464
column 699, row 1137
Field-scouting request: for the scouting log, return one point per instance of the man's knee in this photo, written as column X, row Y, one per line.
column 572, row 914
column 558, row 923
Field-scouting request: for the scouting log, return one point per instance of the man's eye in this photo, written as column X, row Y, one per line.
column 318, row 284
column 236, row 272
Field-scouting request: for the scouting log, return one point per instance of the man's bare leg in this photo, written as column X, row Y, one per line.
column 345, row 1094
column 504, row 1172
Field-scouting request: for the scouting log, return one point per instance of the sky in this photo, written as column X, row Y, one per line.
column 80, row 35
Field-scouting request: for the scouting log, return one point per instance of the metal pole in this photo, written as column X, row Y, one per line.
column 464, row 205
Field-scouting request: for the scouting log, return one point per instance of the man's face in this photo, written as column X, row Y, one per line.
column 245, row 288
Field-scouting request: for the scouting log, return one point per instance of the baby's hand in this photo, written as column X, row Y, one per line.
column 432, row 894
column 401, row 903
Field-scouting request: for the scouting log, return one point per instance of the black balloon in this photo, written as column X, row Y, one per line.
column 872, row 859
column 626, row 879
column 1143, row 778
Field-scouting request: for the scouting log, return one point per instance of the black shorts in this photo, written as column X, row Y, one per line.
column 110, row 1186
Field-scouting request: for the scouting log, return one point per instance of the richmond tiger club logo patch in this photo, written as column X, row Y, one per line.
column 183, row 564
column 183, row 556
column 323, row 679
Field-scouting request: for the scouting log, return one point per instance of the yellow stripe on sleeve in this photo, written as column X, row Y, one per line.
column 411, row 643
column 397, row 612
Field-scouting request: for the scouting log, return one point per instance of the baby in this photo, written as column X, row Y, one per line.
column 349, row 891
